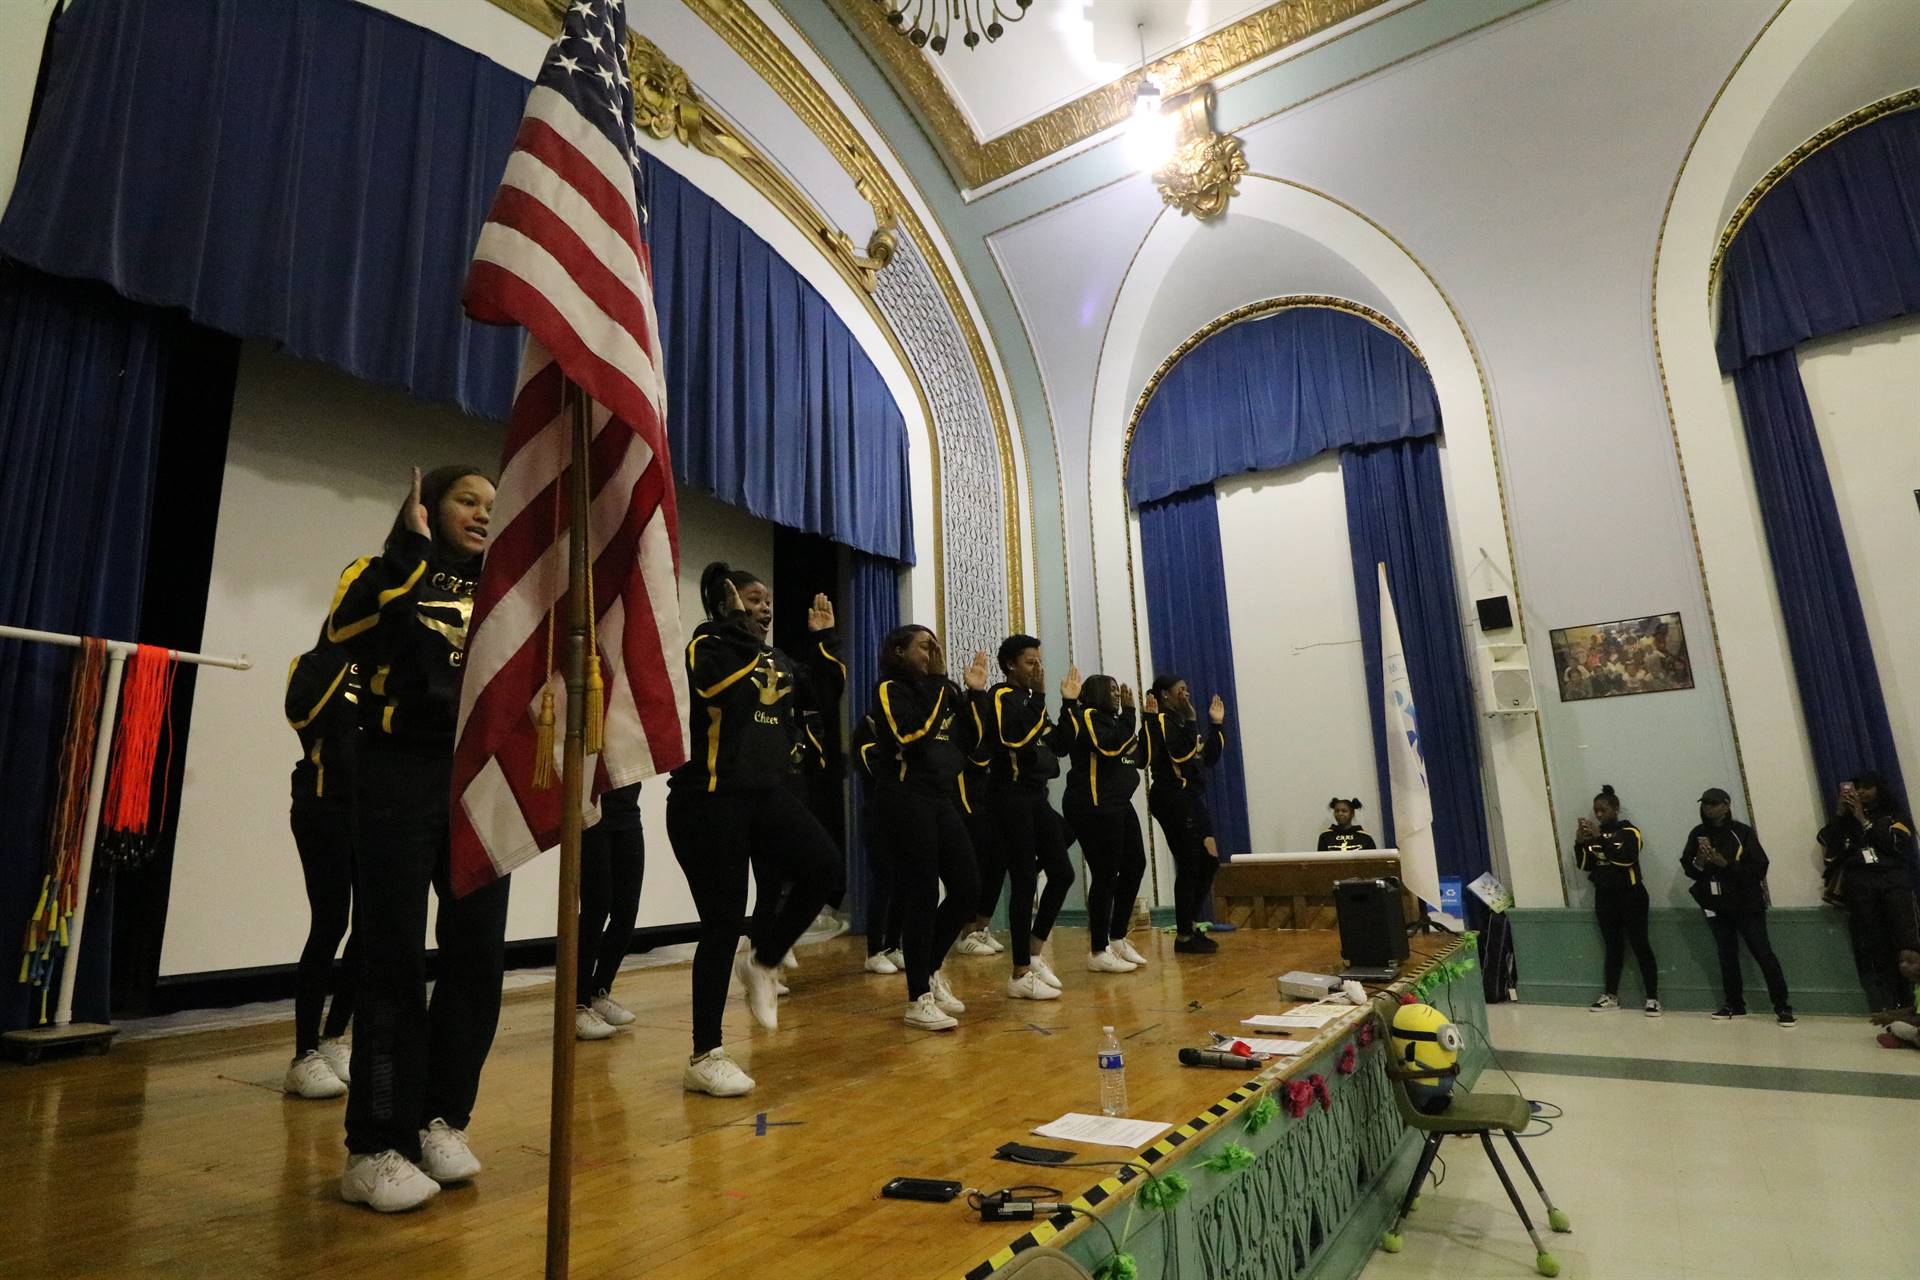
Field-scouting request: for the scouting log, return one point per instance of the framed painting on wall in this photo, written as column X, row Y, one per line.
column 1611, row 659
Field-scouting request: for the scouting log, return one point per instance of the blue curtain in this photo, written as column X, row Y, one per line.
column 1833, row 665
column 1267, row 393
column 1397, row 514
column 773, row 405
column 82, row 382
column 1186, row 582
column 315, row 172
column 873, row 609
column 1832, row 247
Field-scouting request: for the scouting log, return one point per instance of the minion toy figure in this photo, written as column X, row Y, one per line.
column 1423, row 1040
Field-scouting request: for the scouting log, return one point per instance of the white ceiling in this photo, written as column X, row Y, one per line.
column 1065, row 48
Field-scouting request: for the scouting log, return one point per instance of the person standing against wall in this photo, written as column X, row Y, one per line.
column 1871, row 845
column 1607, row 848
column 1728, row 868
column 1178, row 754
column 402, row 617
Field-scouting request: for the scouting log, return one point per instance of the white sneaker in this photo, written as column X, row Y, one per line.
column 339, row 1056
column 899, row 958
column 1029, row 986
column 789, row 961
column 1107, row 962
column 1047, row 975
column 715, row 1073
column 781, row 989
column 388, row 1182
column 878, row 963
column 311, row 1077
column 943, row 993
column 975, row 944
column 444, row 1154
column 611, row 1011
column 758, row 983
column 925, row 1015
column 588, row 1025
column 997, row 945
column 1128, row 952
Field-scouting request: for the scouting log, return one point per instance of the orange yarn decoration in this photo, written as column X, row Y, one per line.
column 129, row 816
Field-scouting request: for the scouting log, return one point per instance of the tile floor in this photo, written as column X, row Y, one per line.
column 1689, row 1180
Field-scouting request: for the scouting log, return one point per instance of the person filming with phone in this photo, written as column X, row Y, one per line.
column 1728, row 868
column 1869, row 846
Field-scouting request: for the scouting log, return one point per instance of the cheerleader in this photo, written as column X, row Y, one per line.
column 402, row 617
column 613, row 863
column 917, row 711
column 1107, row 752
column 731, row 808
column 1345, row 835
column 1178, row 753
column 885, row 906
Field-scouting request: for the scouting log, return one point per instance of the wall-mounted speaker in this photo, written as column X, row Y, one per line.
column 1496, row 613
column 1506, row 680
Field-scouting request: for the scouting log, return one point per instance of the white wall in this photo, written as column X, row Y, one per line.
column 315, row 469
column 1296, row 651
column 19, row 68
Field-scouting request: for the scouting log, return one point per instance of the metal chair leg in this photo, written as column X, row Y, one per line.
column 1392, row 1241
column 1543, row 1262
column 1556, row 1219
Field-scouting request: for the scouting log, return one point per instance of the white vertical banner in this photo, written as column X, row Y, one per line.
column 1410, row 802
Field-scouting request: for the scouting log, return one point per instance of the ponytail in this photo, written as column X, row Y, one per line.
column 1353, row 804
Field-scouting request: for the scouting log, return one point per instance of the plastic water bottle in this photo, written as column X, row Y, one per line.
column 1113, row 1076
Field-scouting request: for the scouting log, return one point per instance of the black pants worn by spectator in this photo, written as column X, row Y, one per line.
column 931, row 852
column 1623, row 923
column 613, row 864
column 1880, row 906
column 1034, row 844
column 413, row 1062
column 1729, row 930
column 323, row 833
column 716, row 839
column 1184, row 821
column 1116, row 857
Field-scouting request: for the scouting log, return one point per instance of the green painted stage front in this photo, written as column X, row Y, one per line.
column 1319, row 1188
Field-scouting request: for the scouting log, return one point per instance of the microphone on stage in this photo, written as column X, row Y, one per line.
column 1217, row 1058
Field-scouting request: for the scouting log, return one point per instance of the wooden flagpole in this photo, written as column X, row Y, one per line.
column 566, row 959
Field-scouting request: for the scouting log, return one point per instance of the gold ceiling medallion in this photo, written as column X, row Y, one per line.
column 1205, row 170
column 975, row 162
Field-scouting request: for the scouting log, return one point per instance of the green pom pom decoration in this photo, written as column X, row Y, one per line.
column 1558, row 1220
column 1546, row 1264
column 1232, row 1157
column 1391, row 1242
column 1261, row 1114
column 1120, row 1266
column 1165, row 1191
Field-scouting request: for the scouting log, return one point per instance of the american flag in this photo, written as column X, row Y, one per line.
column 562, row 253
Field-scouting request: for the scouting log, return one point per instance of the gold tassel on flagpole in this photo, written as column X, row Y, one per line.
column 596, row 687
column 543, row 740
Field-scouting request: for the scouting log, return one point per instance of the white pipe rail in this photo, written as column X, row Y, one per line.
column 117, row 651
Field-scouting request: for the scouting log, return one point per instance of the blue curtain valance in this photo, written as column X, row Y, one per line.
column 315, row 172
column 1265, row 394
column 1834, row 246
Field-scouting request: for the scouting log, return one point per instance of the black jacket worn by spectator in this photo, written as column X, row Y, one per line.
column 1020, row 742
column 402, row 618
column 1739, row 886
column 1883, row 842
column 1611, row 857
column 745, row 701
column 1108, row 752
column 323, row 706
column 1177, row 748
column 921, row 737
column 1339, row 839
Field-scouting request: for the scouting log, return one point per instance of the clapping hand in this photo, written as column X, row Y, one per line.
column 977, row 672
column 415, row 511
column 1217, row 710
column 1126, row 697
column 1070, row 684
column 820, row 616
column 1150, row 704
column 730, row 599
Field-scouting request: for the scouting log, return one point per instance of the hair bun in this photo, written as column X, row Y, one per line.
column 1606, row 789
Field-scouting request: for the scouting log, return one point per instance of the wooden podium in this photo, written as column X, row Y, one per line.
column 1251, row 889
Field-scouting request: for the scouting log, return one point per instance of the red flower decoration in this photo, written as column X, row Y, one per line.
column 1349, row 1059
column 1407, row 997
column 1366, row 1033
column 1318, row 1083
column 1299, row 1098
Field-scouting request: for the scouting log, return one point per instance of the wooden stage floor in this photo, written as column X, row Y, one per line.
column 181, row 1157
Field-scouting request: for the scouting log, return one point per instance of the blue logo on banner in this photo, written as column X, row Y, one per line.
column 1450, row 897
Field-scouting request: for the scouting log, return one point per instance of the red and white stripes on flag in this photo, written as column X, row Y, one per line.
column 562, row 254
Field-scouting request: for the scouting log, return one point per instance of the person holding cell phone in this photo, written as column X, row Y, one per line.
column 1607, row 848
column 1870, row 844
column 1728, row 868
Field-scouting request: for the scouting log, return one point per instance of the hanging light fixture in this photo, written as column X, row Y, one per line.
column 1150, row 131
column 926, row 23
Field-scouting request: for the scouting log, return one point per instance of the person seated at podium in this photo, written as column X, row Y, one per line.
column 1345, row 835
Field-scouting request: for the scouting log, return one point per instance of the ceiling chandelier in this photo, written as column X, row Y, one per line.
column 927, row 22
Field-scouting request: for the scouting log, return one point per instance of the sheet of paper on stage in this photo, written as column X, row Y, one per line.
column 1278, row 1048
column 1105, row 1131
column 1311, row 1018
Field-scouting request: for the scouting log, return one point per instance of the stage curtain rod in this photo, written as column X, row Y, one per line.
column 125, row 648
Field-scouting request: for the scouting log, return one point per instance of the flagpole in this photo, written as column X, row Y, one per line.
column 566, row 943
